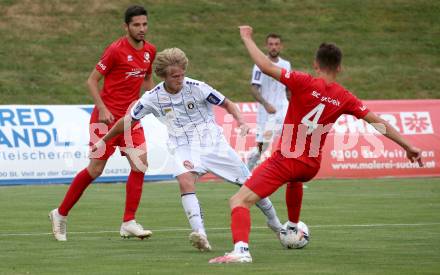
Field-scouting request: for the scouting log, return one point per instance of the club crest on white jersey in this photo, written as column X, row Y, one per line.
column 187, row 114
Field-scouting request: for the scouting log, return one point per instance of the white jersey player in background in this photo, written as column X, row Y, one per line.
column 198, row 146
column 272, row 97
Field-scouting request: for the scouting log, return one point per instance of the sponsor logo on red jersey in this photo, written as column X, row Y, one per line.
column 102, row 66
column 147, row 57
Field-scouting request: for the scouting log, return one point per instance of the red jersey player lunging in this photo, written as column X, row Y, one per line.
column 316, row 103
column 126, row 66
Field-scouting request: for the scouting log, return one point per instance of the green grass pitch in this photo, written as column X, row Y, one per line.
column 384, row 226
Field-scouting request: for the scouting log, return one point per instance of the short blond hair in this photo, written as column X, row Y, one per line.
column 169, row 57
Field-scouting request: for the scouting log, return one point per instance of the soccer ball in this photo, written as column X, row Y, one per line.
column 294, row 237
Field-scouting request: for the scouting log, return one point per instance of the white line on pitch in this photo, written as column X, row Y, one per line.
column 227, row 228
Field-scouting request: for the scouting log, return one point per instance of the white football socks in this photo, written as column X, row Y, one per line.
column 193, row 212
column 268, row 210
column 241, row 247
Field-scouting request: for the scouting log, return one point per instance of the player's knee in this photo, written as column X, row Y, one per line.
column 95, row 171
column 237, row 200
column 141, row 167
column 138, row 163
column 142, row 170
column 186, row 187
column 233, row 201
column 186, row 183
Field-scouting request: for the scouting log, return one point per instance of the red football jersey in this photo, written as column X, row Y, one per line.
column 124, row 68
column 314, row 106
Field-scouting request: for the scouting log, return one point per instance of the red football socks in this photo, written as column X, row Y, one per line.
column 294, row 195
column 76, row 189
column 240, row 224
column 133, row 194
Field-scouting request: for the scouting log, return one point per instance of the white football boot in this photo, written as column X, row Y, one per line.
column 133, row 229
column 59, row 225
column 199, row 241
column 233, row 257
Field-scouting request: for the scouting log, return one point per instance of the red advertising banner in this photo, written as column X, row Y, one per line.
column 354, row 149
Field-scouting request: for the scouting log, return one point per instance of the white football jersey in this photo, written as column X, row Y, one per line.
column 273, row 91
column 187, row 114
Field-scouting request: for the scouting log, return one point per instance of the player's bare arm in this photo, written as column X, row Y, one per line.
column 148, row 83
column 412, row 153
column 122, row 125
column 260, row 59
column 232, row 109
column 257, row 95
column 93, row 84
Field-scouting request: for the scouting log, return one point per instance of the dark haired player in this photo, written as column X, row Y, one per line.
column 316, row 103
column 126, row 66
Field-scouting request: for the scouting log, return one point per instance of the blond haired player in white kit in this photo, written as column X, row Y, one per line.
column 184, row 105
column 272, row 97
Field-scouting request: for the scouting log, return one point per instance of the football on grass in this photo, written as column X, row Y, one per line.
column 294, row 238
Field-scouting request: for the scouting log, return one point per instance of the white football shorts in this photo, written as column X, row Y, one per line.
column 219, row 159
column 270, row 127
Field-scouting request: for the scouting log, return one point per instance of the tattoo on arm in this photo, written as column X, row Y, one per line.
column 255, row 91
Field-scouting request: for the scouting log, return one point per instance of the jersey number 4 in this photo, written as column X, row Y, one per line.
column 316, row 113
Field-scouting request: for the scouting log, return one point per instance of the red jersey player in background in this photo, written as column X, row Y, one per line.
column 126, row 66
column 316, row 103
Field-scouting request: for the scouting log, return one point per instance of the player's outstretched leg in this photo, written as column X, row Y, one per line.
column 273, row 222
column 59, row 225
column 266, row 206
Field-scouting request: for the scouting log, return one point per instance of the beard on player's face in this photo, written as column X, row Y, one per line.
column 136, row 36
column 137, row 28
column 274, row 53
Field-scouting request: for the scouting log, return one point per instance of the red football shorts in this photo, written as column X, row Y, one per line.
column 134, row 139
column 276, row 171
